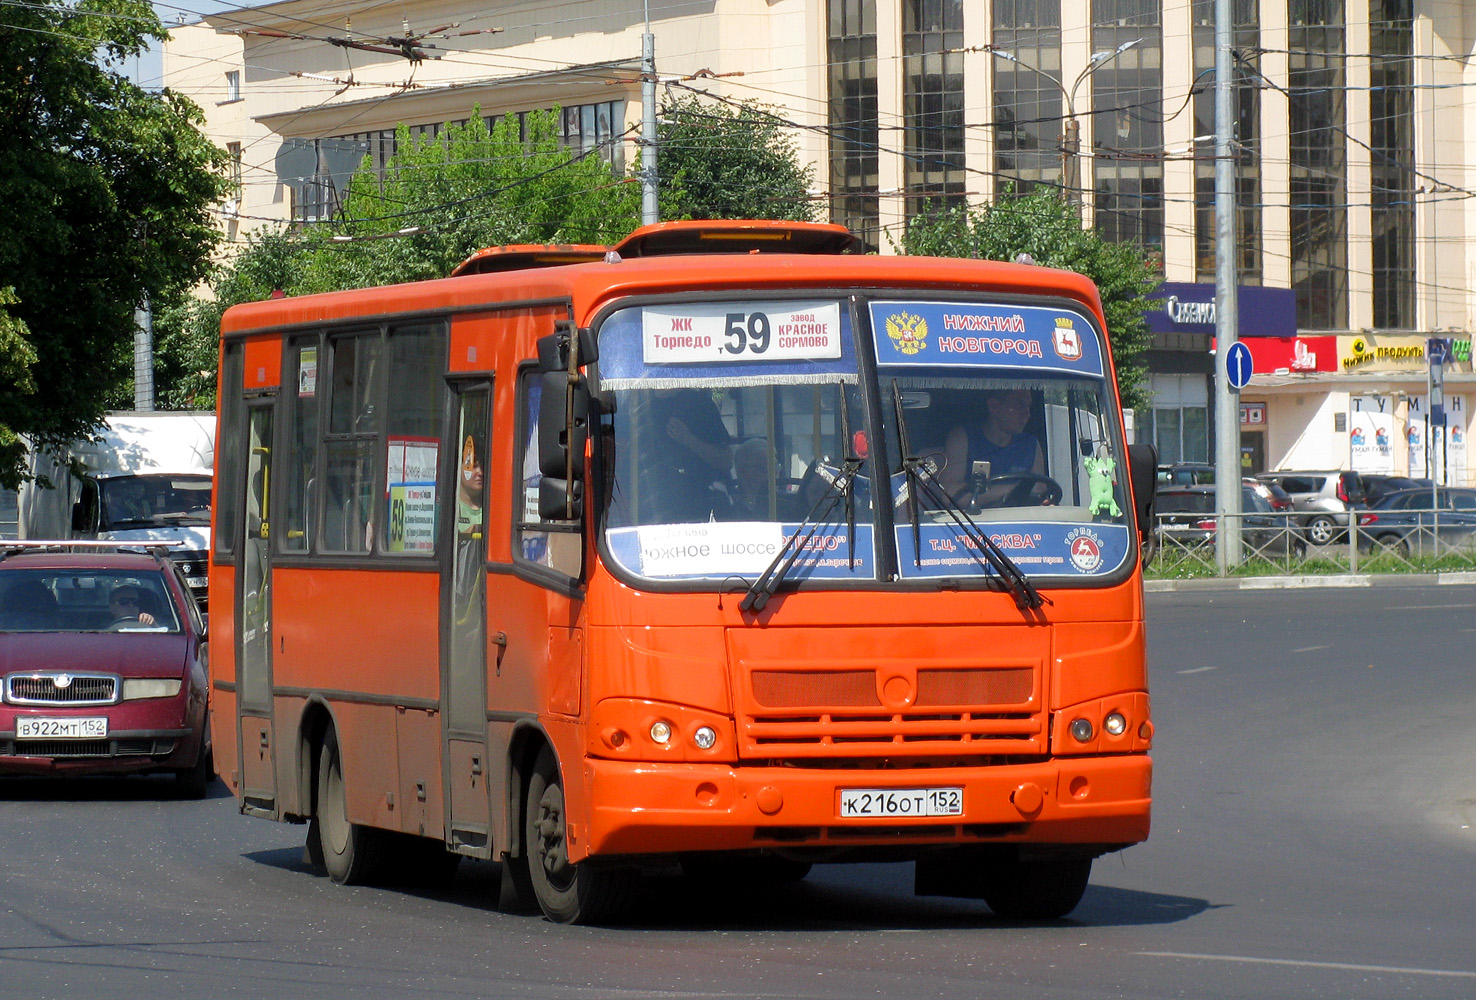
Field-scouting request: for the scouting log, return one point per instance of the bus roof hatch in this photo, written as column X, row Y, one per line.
column 699, row 236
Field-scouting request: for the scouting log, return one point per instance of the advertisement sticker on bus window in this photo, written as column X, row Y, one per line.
column 411, row 461
column 701, row 333
column 975, row 335
column 307, row 372
column 719, row 549
column 412, row 518
column 1047, row 548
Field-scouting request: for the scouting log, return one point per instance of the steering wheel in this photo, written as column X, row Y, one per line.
column 1024, row 489
column 119, row 624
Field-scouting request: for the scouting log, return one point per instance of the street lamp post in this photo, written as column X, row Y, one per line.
column 1071, row 137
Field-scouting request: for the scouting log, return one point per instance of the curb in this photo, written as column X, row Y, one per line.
column 1310, row 582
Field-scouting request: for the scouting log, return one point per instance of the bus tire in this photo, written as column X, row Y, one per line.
column 1044, row 889
column 566, row 893
column 353, row 854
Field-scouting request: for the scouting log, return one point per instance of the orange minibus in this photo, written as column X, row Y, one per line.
column 728, row 547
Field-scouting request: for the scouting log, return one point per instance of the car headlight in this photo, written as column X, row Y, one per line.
column 149, row 687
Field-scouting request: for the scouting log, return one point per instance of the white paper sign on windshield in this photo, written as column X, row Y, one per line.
column 708, row 333
column 712, row 549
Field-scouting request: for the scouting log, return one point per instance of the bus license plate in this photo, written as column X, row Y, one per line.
column 32, row 728
column 888, row 803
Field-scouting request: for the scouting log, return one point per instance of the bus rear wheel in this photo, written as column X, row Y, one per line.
column 352, row 853
column 566, row 892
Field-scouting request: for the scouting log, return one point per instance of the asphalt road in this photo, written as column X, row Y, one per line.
column 1313, row 837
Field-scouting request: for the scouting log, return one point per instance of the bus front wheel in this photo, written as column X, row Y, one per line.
column 1042, row 889
column 351, row 852
column 566, row 892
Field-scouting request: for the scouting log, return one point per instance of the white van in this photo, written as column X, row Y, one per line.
column 145, row 478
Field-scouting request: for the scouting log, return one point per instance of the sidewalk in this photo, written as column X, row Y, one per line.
column 1304, row 582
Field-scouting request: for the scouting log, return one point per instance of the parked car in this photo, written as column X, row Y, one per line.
column 1323, row 499
column 1185, row 474
column 1186, row 520
column 1276, row 497
column 102, row 666
column 1424, row 521
column 1376, row 487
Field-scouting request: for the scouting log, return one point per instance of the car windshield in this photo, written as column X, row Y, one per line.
column 85, row 600
column 732, row 420
column 154, row 501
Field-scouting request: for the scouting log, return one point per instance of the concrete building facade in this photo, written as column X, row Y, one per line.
column 1354, row 140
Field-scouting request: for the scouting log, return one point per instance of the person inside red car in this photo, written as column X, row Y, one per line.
column 125, row 604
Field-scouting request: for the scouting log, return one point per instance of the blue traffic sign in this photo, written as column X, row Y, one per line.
column 1238, row 364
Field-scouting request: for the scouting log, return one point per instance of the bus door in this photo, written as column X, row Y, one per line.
column 254, row 619
column 465, row 765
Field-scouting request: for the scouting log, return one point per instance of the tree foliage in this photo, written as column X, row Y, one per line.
column 729, row 161
column 107, row 191
column 1045, row 227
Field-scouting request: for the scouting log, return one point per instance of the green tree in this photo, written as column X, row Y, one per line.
column 1042, row 225
column 729, row 161
column 107, row 191
column 440, row 200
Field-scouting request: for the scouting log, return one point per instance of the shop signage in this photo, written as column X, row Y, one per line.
column 1185, row 307
column 1252, row 414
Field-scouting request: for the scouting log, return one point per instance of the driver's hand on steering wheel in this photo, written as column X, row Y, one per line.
column 144, row 618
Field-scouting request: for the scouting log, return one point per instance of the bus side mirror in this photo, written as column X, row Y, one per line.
column 1143, row 471
column 563, row 429
column 554, row 349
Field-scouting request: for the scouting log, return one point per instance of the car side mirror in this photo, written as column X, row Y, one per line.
column 1143, row 474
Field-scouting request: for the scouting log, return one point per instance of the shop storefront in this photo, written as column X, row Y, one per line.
column 1316, row 401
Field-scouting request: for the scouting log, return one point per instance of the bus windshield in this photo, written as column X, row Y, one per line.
column 734, row 422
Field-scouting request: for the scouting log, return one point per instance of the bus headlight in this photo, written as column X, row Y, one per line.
column 704, row 738
column 1115, row 724
column 660, row 731
column 1081, row 730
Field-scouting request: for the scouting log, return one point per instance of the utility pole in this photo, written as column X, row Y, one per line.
column 1227, row 317
column 650, row 203
column 143, row 356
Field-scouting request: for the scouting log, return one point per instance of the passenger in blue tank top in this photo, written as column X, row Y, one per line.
column 1001, row 440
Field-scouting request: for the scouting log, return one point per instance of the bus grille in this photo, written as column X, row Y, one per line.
column 828, row 713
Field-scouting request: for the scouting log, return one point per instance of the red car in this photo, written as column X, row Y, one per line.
column 102, row 667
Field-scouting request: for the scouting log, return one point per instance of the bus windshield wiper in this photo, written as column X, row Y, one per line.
column 922, row 482
column 839, row 487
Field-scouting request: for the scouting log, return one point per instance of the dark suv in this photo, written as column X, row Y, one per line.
column 1323, row 499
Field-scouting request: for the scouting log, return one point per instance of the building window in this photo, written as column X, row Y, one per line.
column 233, row 86
column 1127, row 94
column 933, row 102
column 1028, row 112
column 1391, row 142
column 233, row 155
column 1247, row 134
column 854, row 173
column 1319, row 214
column 328, row 164
column 1178, row 424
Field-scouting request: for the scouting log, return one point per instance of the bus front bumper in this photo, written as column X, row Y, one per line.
column 661, row 808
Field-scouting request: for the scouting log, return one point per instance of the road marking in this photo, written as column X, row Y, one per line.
column 1431, row 607
column 1198, row 670
column 1310, row 649
column 1392, row 970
